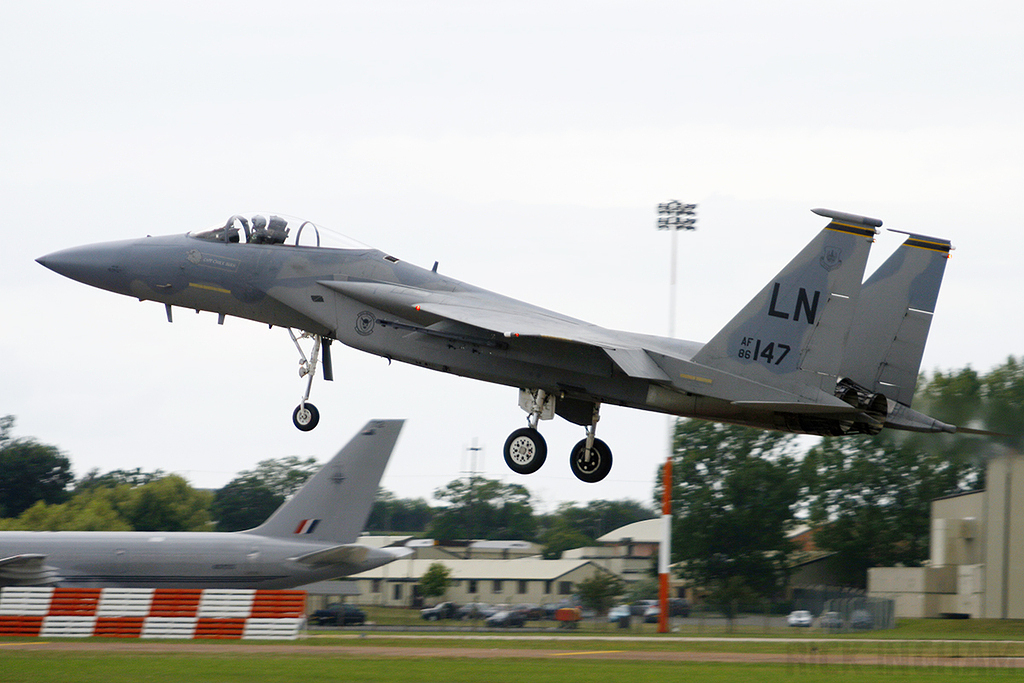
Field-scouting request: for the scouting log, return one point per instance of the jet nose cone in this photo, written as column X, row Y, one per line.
column 99, row 265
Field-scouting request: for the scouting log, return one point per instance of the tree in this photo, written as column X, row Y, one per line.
column 435, row 581
column 137, row 477
column 29, row 472
column 644, row 589
column 252, row 496
column 599, row 591
column 871, row 500
column 392, row 514
column 244, row 503
column 483, row 508
column 561, row 537
column 870, row 497
column 169, row 504
column 283, row 476
column 734, row 493
column 573, row 525
column 1003, row 391
column 93, row 510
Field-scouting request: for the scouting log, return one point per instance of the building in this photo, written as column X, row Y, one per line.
column 630, row 552
column 525, row 580
column 976, row 563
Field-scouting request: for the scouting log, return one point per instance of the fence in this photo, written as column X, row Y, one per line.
column 859, row 613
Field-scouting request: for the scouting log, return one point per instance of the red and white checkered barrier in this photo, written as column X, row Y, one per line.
column 151, row 613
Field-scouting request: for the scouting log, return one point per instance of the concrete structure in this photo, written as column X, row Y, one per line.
column 976, row 564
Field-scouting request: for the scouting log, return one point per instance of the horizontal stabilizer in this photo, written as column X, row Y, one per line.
column 354, row 556
column 905, row 418
column 982, row 432
column 27, row 570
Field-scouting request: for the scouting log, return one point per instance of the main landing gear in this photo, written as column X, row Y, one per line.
column 306, row 416
column 525, row 449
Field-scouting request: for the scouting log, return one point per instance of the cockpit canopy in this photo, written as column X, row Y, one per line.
column 274, row 229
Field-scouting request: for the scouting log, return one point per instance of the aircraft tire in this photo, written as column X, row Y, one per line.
column 306, row 420
column 597, row 467
column 525, row 451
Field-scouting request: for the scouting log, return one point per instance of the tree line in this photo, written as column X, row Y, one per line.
column 38, row 492
column 738, row 493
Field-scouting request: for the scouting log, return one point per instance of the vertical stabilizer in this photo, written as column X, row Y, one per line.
column 333, row 506
column 792, row 335
column 893, row 316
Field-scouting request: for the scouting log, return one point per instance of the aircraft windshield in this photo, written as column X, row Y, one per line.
column 273, row 229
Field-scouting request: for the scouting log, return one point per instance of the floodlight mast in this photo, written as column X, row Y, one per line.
column 673, row 216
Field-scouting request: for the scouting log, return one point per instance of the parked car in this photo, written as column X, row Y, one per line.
column 862, row 619
column 678, row 607
column 833, row 620
column 475, row 610
column 531, row 611
column 801, row 618
column 638, row 608
column 619, row 612
column 443, row 610
column 505, row 619
column 339, row 614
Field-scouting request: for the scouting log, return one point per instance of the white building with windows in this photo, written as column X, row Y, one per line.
column 525, row 580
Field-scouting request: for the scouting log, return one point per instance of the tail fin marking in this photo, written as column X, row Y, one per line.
column 793, row 333
column 333, row 506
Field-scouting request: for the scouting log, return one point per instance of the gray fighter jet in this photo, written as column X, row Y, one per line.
column 815, row 351
column 311, row 537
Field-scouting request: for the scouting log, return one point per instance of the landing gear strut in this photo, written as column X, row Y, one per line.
column 525, row 449
column 591, row 458
column 306, row 416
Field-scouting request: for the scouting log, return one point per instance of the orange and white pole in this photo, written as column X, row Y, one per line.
column 665, row 546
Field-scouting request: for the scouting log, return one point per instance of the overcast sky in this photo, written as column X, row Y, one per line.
column 524, row 146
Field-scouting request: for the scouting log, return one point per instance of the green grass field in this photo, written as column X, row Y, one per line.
column 913, row 651
column 129, row 668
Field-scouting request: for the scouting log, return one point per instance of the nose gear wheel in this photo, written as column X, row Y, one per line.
column 306, row 417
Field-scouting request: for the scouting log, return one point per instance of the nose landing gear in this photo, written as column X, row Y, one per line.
column 305, row 416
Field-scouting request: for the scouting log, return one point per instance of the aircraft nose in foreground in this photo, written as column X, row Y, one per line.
column 99, row 265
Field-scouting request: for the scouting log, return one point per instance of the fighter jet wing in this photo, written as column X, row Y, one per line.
column 632, row 360
column 506, row 317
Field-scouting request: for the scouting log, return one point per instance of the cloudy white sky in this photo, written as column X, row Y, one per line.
column 522, row 145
